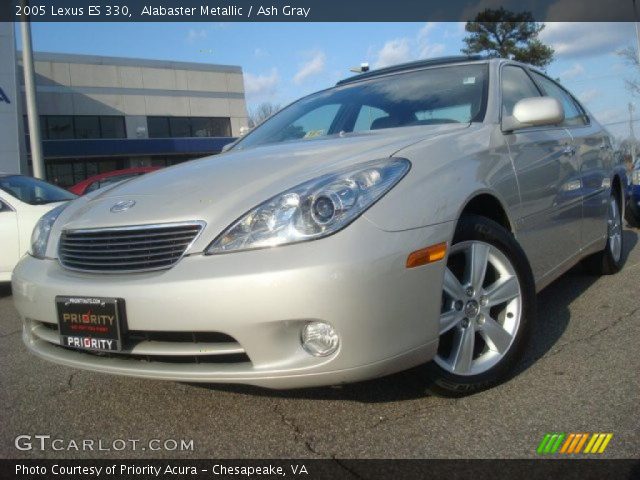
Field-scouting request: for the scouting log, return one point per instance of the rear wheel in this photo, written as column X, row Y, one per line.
column 488, row 304
column 609, row 260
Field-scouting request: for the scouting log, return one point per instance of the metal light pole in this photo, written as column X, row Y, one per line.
column 37, row 160
column 635, row 14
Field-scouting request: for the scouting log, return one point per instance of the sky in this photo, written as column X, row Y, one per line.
column 284, row 61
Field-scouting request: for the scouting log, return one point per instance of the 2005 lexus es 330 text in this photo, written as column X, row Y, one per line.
column 406, row 216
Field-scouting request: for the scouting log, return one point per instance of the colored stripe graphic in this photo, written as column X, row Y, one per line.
column 598, row 443
column 550, row 443
column 573, row 443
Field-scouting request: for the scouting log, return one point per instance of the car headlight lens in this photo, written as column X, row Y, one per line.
column 635, row 177
column 314, row 209
column 42, row 230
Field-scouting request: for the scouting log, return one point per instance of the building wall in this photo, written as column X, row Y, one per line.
column 90, row 85
column 11, row 160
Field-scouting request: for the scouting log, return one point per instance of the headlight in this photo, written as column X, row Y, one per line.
column 314, row 209
column 635, row 177
column 42, row 230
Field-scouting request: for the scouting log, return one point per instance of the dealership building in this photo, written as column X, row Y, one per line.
column 105, row 113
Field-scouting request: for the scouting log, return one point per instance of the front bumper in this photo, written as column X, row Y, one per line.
column 356, row 280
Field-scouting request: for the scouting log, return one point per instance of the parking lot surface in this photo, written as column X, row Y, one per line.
column 580, row 374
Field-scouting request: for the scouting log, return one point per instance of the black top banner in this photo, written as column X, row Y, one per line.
column 308, row 10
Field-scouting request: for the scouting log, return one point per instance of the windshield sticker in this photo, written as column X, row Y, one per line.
column 314, row 133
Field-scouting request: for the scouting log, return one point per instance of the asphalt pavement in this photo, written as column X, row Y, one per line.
column 580, row 374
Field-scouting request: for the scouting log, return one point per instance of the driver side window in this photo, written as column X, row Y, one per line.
column 516, row 85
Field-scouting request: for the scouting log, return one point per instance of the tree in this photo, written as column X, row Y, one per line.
column 501, row 33
column 631, row 56
column 260, row 113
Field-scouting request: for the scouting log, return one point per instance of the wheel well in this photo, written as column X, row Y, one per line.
column 488, row 206
column 616, row 186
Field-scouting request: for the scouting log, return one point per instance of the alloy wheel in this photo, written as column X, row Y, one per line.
column 614, row 223
column 481, row 309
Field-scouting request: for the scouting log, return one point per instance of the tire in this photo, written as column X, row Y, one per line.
column 632, row 216
column 501, row 328
column 610, row 259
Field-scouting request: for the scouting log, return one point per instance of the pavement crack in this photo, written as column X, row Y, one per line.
column 409, row 413
column 591, row 336
column 298, row 434
column 70, row 380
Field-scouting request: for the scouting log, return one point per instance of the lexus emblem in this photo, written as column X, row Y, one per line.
column 122, row 206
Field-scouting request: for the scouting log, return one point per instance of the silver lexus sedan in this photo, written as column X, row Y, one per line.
column 406, row 216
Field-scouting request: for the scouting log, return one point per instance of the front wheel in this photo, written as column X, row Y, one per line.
column 488, row 305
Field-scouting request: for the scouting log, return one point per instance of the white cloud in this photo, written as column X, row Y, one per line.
column 194, row 35
column 431, row 50
column 427, row 49
column 314, row 66
column 393, row 52
column 405, row 49
column 426, row 30
column 260, row 53
column 575, row 71
column 580, row 39
column 261, row 86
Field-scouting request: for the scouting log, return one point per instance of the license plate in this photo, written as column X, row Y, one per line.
column 89, row 323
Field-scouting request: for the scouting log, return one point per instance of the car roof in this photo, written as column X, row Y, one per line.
column 402, row 67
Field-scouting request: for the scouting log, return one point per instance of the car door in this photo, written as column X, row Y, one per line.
column 9, row 239
column 549, row 214
column 594, row 156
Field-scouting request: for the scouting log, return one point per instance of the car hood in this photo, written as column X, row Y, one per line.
column 221, row 188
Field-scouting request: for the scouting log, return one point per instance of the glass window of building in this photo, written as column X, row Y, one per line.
column 112, row 127
column 87, row 126
column 180, row 127
column 158, row 127
column 58, row 127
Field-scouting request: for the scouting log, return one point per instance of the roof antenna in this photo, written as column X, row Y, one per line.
column 364, row 67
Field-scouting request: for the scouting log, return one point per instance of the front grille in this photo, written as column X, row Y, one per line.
column 127, row 249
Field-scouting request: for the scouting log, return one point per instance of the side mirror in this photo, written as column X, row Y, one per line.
column 534, row 112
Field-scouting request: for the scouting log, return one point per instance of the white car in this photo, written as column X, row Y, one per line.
column 23, row 200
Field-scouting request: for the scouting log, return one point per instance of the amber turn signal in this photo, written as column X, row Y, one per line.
column 427, row 255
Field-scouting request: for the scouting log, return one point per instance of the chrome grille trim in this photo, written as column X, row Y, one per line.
column 128, row 249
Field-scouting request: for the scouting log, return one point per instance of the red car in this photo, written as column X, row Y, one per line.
column 108, row 178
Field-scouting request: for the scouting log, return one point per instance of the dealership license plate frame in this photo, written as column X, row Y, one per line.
column 100, row 329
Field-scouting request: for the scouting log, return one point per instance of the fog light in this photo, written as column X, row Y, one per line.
column 319, row 339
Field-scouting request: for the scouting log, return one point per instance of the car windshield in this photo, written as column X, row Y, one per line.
column 33, row 191
column 447, row 94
